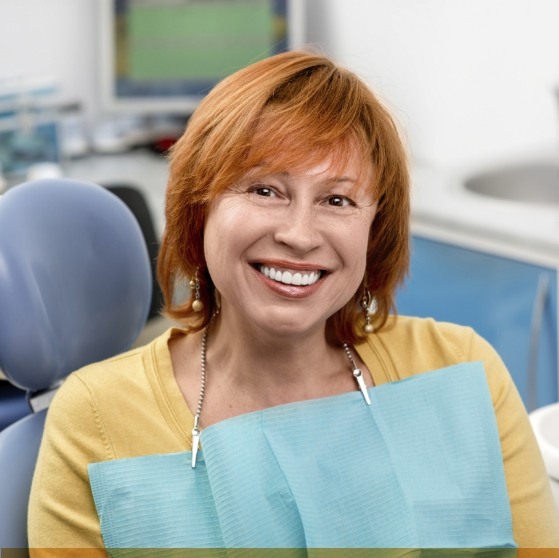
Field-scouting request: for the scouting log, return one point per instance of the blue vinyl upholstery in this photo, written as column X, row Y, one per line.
column 75, row 287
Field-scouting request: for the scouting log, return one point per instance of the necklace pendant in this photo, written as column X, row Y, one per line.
column 195, row 445
column 358, row 375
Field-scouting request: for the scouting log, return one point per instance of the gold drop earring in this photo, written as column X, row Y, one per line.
column 369, row 306
column 197, row 304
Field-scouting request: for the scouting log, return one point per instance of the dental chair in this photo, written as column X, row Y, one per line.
column 137, row 203
column 75, row 288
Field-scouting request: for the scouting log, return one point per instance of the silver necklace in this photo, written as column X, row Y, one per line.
column 196, row 432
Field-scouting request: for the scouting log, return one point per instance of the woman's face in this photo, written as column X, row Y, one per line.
column 288, row 250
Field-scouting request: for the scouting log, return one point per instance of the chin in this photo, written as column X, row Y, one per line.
column 291, row 327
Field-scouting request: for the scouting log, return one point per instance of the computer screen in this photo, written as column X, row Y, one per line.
column 165, row 55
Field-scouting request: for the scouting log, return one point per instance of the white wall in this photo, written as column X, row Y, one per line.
column 469, row 80
column 52, row 38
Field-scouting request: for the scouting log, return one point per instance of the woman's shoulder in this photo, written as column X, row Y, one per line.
column 407, row 346
column 403, row 325
column 130, row 370
column 426, row 335
column 114, row 400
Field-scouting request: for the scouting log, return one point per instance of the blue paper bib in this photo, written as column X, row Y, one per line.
column 421, row 467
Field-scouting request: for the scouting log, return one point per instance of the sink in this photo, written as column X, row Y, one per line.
column 536, row 183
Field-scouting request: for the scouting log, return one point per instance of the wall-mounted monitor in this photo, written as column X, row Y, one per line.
column 163, row 56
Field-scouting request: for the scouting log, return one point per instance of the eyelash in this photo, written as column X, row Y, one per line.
column 260, row 188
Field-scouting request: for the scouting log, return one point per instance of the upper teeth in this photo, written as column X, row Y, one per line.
column 290, row 277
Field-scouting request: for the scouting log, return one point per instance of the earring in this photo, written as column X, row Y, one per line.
column 369, row 306
column 217, row 299
column 197, row 304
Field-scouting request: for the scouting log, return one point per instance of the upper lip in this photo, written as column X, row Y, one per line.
column 284, row 264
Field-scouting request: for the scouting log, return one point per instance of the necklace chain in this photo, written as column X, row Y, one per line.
column 357, row 374
column 202, row 378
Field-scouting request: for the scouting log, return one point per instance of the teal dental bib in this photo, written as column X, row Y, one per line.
column 421, row 467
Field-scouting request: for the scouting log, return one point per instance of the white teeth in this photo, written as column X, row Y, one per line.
column 290, row 277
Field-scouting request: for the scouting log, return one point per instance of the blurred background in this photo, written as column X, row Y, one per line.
column 468, row 80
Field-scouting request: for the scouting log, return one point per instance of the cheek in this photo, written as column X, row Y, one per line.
column 228, row 231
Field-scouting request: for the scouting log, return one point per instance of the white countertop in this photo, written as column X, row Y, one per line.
column 442, row 205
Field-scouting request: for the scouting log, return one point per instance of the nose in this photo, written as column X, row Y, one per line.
column 298, row 228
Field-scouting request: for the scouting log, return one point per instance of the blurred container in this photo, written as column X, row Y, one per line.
column 28, row 124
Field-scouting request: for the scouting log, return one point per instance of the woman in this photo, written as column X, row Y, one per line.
column 291, row 410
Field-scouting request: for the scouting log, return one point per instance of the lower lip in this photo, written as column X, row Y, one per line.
column 289, row 291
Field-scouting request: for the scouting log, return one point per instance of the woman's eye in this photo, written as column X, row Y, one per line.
column 261, row 190
column 339, row 201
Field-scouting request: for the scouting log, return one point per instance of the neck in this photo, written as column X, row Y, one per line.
column 273, row 366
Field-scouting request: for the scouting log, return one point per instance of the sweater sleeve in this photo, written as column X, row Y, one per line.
column 62, row 513
column 534, row 514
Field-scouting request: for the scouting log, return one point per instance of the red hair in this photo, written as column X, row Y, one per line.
column 299, row 107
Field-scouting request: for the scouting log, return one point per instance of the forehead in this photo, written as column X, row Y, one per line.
column 328, row 166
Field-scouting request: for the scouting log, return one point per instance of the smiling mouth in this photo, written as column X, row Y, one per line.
column 290, row 277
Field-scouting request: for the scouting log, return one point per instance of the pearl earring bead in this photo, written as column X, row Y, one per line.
column 197, row 305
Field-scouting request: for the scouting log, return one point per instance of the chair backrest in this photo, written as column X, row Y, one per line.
column 137, row 203
column 75, row 288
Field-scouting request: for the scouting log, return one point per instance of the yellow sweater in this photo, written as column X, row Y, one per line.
column 131, row 405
